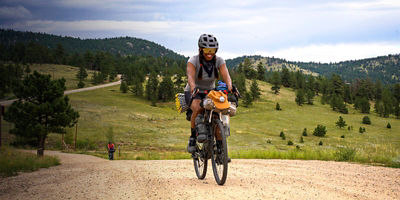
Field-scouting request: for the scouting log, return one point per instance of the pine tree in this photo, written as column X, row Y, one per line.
column 378, row 90
column 178, row 84
column 396, row 108
column 320, row 130
column 301, row 139
column 260, row 72
column 388, row 125
column 123, row 87
column 366, row 120
column 152, row 88
column 300, row 80
column 282, row 135
column 81, row 84
column 166, row 89
column 304, row 132
column 137, row 88
column 240, row 82
column 310, row 96
column 362, row 104
column 387, row 102
column 248, row 100
column 341, row 123
column 82, row 74
column 59, row 54
column 276, row 82
column 255, row 90
column 285, row 77
column 278, row 107
column 41, row 108
column 299, row 97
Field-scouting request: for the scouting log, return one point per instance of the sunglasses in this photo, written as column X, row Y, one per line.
column 209, row 50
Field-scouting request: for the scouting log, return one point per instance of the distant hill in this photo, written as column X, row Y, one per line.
column 119, row 45
column 383, row 68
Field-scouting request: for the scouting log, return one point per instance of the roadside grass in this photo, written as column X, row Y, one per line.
column 63, row 71
column 13, row 161
column 146, row 132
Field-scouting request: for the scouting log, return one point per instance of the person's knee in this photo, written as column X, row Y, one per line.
column 195, row 106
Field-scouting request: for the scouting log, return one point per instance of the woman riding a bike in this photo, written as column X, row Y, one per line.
column 202, row 71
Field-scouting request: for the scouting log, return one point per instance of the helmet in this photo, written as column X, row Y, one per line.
column 208, row 41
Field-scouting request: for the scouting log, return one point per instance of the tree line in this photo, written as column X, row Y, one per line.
column 333, row 90
column 14, row 59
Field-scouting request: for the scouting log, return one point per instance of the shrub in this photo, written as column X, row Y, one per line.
column 81, row 84
column 388, row 125
column 342, row 136
column 269, row 141
column 361, row 130
column 305, row 132
column 341, row 123
column 297, row 147
column 345, row 154
column 320, row 143
column 123, row 87
column 289, row 142
column 278, row 107
column 282, row 135
column 320, row 131
column 301, row 139
column 366, row 120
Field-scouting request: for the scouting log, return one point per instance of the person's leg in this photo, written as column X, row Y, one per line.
column 196, row 109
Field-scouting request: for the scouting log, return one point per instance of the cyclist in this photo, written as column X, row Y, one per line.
column 111, row 150
column 202, row 71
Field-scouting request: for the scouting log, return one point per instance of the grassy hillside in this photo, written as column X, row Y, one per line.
column 63, row 71
column 146, row 132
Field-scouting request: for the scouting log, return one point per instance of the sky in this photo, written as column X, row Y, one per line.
column 296, row 30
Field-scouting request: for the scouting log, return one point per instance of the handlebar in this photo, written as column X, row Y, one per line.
column 234, row 91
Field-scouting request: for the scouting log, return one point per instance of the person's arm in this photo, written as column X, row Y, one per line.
column 191, row 73
column 225, row 76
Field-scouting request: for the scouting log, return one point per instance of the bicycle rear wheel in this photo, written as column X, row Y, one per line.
column 200, row 161
column 219, row 155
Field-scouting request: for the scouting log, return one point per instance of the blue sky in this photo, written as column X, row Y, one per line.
column 297, row 30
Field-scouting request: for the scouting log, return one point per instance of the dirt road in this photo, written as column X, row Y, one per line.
column 88, row 177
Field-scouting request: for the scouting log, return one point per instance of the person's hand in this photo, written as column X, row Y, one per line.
column 194, row 90
column 230, row 88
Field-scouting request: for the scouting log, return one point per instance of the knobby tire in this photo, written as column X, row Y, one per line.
column 200, row 161
column 219, row 160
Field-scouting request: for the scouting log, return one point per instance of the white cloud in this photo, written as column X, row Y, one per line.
column 334, row 52
column 18, row 12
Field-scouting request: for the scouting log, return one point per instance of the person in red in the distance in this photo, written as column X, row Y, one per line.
column 111, row 150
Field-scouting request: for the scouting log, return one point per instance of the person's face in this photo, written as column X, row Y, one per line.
column 209, row 53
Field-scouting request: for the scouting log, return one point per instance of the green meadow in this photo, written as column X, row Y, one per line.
column 145, row 132
column 141, row 131
column 63, row 71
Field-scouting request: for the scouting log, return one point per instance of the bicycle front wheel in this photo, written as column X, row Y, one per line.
column 219, row 154
column 200, row 161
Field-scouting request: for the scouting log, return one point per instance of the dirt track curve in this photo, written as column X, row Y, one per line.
column 88, row 177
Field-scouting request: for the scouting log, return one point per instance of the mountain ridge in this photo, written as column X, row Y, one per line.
column 118, row 45
column 383, row 68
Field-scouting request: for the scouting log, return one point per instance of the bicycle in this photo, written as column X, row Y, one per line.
column 217, row 122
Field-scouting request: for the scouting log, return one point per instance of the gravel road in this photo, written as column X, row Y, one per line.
column 88, row 177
